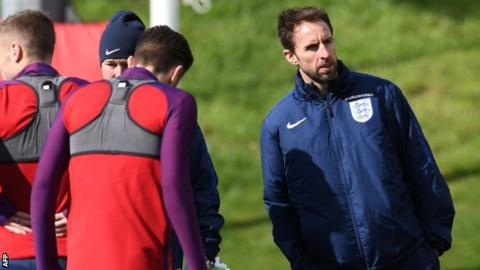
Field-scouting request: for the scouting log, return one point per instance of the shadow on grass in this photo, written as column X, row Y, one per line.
column 457, row 10
column 245, row 224
column 465, row 268
column 451, row 176
column 460, row 173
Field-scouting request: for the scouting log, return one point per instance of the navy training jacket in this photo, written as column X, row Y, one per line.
column 349, row 180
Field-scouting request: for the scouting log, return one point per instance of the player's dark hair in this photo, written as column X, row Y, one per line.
column 162, row 48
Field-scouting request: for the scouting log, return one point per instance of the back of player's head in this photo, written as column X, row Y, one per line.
column 120, row 36
column 34, row 30
column 162, row 48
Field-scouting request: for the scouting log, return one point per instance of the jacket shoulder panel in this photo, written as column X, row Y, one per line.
column 279, row 111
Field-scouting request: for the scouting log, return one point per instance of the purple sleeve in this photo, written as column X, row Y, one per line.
column 53, row 162
column 6, row 210
column 175, row 173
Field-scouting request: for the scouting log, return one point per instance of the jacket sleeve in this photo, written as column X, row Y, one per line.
column 285, row 220
column 207, row 201
column 433, row 202
column 6, row 210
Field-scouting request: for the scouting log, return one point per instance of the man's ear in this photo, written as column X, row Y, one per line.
column 16, row 52
column 176, row 74
column 131, row 61
column 290, row 56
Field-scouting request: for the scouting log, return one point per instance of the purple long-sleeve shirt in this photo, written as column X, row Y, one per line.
column 175, row 179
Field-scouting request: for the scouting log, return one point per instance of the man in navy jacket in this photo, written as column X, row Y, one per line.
column 349, row 179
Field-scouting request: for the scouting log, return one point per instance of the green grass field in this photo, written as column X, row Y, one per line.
column 431, row 49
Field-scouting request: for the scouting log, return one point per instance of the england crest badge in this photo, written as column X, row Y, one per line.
column 361, row 109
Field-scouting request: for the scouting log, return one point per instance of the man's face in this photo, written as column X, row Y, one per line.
column 315, row 52
column 112, row 68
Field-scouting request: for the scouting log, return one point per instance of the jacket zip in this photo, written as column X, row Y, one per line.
column 330, row 115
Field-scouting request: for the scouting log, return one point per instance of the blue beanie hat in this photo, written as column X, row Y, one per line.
column 120, row 36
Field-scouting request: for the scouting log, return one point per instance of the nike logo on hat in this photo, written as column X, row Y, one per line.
column 107, row 52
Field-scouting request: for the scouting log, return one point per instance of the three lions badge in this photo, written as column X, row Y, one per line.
column 361, row 109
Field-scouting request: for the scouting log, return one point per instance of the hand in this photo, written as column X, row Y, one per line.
column 19, row 223
column 216, row 265
column 210, row 265
column 60, row 225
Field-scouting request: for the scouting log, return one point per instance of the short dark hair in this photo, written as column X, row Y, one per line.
column 163, row 48
column 35, row 29
column 288, row 19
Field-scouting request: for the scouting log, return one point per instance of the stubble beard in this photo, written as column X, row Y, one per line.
column 323, row 78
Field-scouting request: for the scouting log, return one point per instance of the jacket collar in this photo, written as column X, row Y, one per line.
column 339, row 86
column 138, row 73
column 37, row 69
